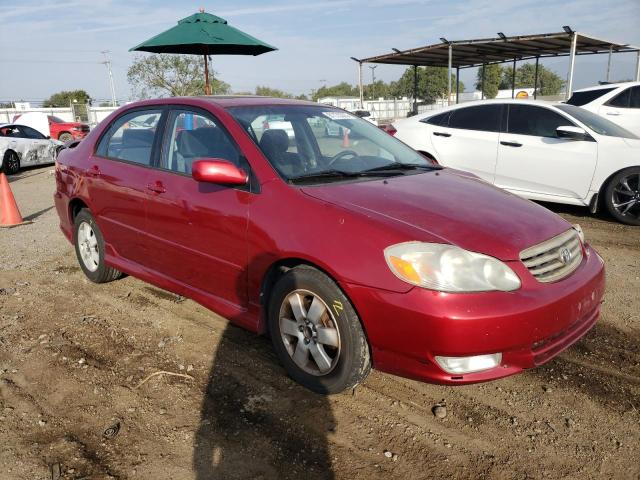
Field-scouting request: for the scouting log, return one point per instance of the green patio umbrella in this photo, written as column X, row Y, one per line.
column 204, row 34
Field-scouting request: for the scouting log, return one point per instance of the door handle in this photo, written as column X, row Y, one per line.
column 156, row 187
column 441, row 134
column 93, row 171
column 613, row 113
column 511, row 144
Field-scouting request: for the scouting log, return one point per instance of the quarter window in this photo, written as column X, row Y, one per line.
column 193, row 136
column 621, row 100
column 440, row 119
column 131, row 137
column 635, row 97
column 536, row 121
column 484, row 117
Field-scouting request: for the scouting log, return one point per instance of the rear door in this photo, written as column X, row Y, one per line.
column 117, row 177
column 469, row 140
column 624, row 109
column 198, row 231
column 534, row 162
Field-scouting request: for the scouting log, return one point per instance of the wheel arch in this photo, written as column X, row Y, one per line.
column 276, row 270
column 75, row 205
column 603, row 187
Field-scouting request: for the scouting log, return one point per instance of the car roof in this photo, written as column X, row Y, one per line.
column 608, row 86
column 249, row 100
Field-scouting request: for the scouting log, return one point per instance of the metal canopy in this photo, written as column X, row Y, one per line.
column 486, row 51
column 473, row 53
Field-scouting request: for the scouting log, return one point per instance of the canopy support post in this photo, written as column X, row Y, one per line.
column 415, row 89
column 535, row 80
column 360, row 85
column 207, row 87
column 513, row 80
column 572, row 64
column 609, row 62
column 457, row 84
column 482, row 83
column 638, row 67
column 449, row 74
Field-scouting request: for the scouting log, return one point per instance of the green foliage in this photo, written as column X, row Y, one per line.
column 492, row 79
column 66, row 97
column 548, row 82
column 432, row 84
column 171, row 75
column 341, row 90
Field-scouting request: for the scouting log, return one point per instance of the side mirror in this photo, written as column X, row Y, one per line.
column 573, row 133
column 217, row 170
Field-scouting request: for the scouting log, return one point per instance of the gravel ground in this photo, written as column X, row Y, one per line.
column 73, row 405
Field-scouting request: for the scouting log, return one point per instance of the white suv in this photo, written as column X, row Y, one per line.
column 619, row 102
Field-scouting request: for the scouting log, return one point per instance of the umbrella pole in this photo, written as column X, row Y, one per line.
column 207, row 87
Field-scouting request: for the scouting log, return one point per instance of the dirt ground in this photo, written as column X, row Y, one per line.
column 72, row 406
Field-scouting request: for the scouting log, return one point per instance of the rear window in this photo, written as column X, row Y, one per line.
column 582, row 98
column 622, row 100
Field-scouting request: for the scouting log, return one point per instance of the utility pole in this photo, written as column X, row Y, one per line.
column 107, row 63
column 373, row 79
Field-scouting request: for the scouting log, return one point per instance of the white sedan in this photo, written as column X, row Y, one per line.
column 619, row 102
column 23, row 146
column 541, row 151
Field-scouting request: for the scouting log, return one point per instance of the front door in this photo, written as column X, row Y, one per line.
column 534, row 162
column 470, row 140
column 197, row 232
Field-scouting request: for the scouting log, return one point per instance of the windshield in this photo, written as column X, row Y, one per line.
column 596, row 123
column 582, row 98
column 55, row 119
column 323, row 144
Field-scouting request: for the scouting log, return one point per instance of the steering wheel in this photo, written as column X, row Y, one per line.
column 341, row 155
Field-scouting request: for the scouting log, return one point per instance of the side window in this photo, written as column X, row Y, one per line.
column 192, row 136
column 28, row 132
column 131, row 137
column 635, row 97
column 484, row 117
column 441, row 119
column 582, row 98
column 536, row 121
column 621, row 100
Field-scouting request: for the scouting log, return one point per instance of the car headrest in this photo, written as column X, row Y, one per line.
column 137, row 137
column 274, row 142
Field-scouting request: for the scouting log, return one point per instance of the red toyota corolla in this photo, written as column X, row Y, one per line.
column 352, row 251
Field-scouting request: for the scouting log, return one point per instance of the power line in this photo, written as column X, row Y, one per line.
column 18, row 60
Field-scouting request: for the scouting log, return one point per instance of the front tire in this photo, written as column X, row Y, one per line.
column 89, row 245
column 65, row 137
column 316, row 332
column 11, row 163
column 622, row 196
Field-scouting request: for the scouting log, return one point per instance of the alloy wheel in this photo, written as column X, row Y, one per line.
column 626, row 196
column 88, row 247
column 12, row 163
column 309, row 332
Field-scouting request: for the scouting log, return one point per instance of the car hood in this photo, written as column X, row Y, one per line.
column 448, row 206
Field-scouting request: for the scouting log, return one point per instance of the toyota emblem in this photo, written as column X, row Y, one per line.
column 565, row 255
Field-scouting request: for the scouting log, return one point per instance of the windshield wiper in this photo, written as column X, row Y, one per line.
column 337, row 174
column 403, row 166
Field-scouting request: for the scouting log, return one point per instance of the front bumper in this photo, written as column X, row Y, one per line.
column 529, row 326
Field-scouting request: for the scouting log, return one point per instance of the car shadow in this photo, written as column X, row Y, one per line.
column 578, row 211
column 254, row 421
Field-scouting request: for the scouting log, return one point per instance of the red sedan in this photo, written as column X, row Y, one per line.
column 350, row 251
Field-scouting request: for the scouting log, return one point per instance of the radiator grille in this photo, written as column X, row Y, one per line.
column 554, row 259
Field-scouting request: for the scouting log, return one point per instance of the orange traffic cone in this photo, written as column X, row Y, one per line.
column 9, row 213
column 345, row 138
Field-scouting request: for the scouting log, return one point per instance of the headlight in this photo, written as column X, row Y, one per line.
column 448, row 268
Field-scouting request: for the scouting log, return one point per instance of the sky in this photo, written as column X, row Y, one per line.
column 53, row 45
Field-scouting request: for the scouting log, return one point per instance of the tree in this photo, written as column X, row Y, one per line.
column 272, row 92
column 549, row 83
column 432, row 84
column 492, row 78
column 67, row 97
column 171, row 75
column 340, row 90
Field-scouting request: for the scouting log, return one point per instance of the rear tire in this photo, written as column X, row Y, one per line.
column 89, row 245
column 622, row 196
column 321, row 345
column 11, row 163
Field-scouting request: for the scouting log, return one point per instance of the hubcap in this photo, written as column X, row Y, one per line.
column 626, row 196
column 88, row 247
column 309, row 332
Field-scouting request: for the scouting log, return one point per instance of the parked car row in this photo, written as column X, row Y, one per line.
column 542, row 151
column 351, row 256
